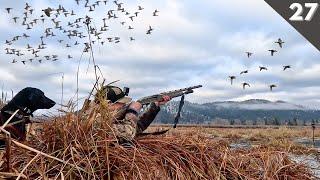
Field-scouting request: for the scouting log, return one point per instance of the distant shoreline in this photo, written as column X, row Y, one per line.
column 232, row 126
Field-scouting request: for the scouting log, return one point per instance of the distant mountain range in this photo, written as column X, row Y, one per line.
column 253, row 111
column 257, row 104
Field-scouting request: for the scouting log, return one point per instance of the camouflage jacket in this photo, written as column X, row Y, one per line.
column 125, row 125
column 128, row 125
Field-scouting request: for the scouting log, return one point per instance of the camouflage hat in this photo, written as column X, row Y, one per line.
column 115, row 94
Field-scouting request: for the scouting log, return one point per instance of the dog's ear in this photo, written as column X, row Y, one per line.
column 34, row 94
column 33, row 101
column 31, row 97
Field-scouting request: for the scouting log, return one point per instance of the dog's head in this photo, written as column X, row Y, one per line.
column 32, row 99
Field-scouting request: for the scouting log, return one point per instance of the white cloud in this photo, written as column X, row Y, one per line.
column 194, row 42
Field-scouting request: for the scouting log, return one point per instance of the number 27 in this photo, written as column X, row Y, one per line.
column 297, row 16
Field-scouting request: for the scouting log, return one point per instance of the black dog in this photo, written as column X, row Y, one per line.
column 27, row 101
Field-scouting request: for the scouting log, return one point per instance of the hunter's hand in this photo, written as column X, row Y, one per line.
column 135, row 106
column 164, row 100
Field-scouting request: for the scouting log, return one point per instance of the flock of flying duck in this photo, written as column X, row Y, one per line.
column 261, row 68
column 76, row 30
column 82, row 27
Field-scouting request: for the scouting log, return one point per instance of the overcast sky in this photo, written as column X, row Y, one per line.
column 193, row 42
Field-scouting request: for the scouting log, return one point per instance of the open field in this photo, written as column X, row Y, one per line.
column 296, row 141
column 256, row 135
column 232, row 126
column 245, row 130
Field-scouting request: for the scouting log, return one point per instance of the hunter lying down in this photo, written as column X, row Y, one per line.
column 128, row 122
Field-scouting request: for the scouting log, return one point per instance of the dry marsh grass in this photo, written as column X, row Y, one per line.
column 94, row 155
column 85, row 147
column 88, row 150
column 283, row 138
column 1, row 104
column 249, row 133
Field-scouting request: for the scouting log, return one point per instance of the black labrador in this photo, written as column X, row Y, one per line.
column 26, row 101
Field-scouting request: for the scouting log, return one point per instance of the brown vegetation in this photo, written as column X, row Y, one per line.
column 84, row 147
column 282, row 138
column 88, row 152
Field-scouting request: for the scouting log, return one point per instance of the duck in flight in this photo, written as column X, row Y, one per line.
column 25, row 35
column 15, row 19
column 232, row 78
column 27, row 6
column 286, row 67
column 272, row 86
column 155, row 13
column 131, row 17
column 47, row 11
column 249, row 54
column 8, row 10
column 149, row 30
column 272, row 51
column 280, row 42
column 245, row 84
column 244, row 72
column 263, row 68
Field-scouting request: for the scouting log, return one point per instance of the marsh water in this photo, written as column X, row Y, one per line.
column 312, row 161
